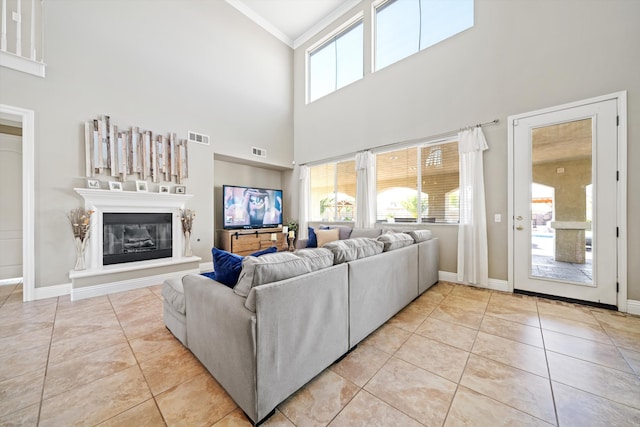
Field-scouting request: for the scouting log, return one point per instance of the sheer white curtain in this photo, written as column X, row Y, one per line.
column 473, row 264
column 365, row 189
column 304, row 188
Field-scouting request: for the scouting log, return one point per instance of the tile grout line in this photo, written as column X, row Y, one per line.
column 46, row 369
column 115, row 312
column 546, row 359
column 475, row 338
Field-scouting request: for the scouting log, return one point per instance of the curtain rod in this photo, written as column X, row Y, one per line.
column 432, row 138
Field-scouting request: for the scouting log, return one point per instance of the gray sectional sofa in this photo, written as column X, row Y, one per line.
column 271, row 333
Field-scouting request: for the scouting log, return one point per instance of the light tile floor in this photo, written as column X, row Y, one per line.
column 455, row 356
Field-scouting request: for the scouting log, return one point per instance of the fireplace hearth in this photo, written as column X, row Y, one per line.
column 130, row 237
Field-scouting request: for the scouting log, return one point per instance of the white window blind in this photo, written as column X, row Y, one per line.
column 418, row 184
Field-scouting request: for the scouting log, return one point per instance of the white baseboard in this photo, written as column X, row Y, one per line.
column 51, row 291
column 494, row 284
column 125, row 285
column 633, row 307
column 205, row 267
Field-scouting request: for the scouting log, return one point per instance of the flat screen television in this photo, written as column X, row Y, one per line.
column 251, row 207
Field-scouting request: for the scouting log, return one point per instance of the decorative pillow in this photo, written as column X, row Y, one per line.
column 352, row 249
column 326, row 236
column 227, row 266
column 261, row 252
column 211, row 275
column 393, row 241
column 269, row 268
column 345, row 231
column 312, row 242
column 317, row 258
column 365, row 232
column 420, row 235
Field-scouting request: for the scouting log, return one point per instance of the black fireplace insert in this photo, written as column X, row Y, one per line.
column 129, row 237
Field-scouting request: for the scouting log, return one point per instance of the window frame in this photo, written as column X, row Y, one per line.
column 345, row 27
column 379, row 4
column 335, row 162
column 418, row 146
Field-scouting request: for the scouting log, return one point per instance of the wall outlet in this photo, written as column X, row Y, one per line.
column 497, row 218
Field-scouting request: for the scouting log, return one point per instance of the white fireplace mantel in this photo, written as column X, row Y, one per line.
column 106, row 201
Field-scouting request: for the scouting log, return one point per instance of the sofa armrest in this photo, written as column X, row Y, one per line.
column 302, row 327
column 221, row 334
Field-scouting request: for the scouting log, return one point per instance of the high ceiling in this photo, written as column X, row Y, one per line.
column 293, row 21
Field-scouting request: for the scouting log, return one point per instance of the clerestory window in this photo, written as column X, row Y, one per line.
column 337, row 62
column 405, row 27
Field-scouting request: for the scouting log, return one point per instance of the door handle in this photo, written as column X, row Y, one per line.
column 519, row 227
column 519, row 218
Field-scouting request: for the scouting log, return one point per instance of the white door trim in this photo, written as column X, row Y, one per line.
column 28, row 199
column 621, row 101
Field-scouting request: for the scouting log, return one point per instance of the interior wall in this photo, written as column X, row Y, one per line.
column 227, row 173
column 520, row 56
column 175, row 67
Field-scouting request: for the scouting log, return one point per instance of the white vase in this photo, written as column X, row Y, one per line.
column 80, row 246
column 187, row 244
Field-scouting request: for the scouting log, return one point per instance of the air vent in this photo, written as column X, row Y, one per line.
column 198, row 138
column 259, row 152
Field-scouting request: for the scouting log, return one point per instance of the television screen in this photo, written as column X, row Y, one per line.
column 251, row 207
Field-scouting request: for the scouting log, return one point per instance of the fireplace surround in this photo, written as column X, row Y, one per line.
column 131, row 263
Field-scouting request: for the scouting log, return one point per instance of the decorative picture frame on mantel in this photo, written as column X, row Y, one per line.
column 141, row 186
column 94, row 184
column 164, row 189
column 115, row 186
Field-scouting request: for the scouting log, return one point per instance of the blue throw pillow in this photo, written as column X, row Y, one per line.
column 270, row 250
column 211, row 275
column 312, row 242
column 227, row 266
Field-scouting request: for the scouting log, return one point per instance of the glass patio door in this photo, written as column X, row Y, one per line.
column 564, row 196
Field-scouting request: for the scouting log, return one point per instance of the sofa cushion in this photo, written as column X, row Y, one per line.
column 269, row 268
column 352, row 249
column 393, row 241
column 326, row 236
column 227, row 266
column 420, row 235
column 365, row 232
column 173, row 294
column 345, row 231
column 317, row 258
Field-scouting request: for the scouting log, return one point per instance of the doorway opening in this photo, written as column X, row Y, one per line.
column 26, row 121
